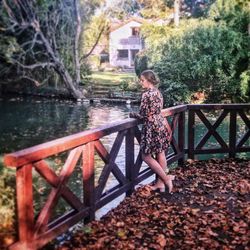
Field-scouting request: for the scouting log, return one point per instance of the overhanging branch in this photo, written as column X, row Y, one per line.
column 96, row 42
column 35, row 65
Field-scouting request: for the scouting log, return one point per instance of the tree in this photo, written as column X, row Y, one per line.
column 176, row 12
column 189, row 8
column 234, row 14
column 208, row 55
column 47, row 35
column 154, row 9
column 122, row 9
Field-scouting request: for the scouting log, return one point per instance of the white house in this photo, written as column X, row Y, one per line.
column 125, row 42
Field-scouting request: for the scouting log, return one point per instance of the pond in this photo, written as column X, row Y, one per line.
column 26, row 122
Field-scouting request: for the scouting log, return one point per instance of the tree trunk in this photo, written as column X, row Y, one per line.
column 192, row 7
column 60, row 69
column 76, row 42
column 23, row 17
column 77, row 94
column 176, row 12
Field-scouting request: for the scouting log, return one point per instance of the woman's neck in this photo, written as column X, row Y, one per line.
column 150, row 86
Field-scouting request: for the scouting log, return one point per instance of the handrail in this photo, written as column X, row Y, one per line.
column 217, row 106
column 53, row 147
column 234, row 146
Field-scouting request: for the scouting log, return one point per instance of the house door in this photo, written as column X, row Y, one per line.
column 133, row 54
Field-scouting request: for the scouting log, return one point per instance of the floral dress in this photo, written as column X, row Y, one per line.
column 154, row 134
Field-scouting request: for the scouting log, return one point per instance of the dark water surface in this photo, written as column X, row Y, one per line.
column 28, row 122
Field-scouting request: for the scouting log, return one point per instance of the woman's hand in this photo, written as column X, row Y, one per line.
column 133, row 115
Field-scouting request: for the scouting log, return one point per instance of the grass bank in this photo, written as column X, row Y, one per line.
column 112, row 78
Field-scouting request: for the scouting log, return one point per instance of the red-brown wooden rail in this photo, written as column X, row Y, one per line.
column 234, row 112
column 35, row 232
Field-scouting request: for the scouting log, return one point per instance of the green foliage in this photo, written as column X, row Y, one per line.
column 7, row 198
column 204, row 59
column 154, row 9
column 91, row 32
column 22, row 45
column 233, row 13
column 123, row 9
column 141, row 62
column 85, row 73
column 123, row 85
column 245, row 85
column 174, row 92
column 210, row 55
column 94, row 61
column 193, row 8
column 129, row 85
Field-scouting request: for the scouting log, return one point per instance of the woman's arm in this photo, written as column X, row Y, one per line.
column 135, row 115
column 144, row 108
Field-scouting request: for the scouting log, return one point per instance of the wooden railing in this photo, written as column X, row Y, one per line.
column 36, row 230
column 231, row 111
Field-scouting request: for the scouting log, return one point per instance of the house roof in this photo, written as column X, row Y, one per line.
column 136, row 19
column 158, row 21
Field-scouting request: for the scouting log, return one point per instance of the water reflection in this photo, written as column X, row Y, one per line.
column 30, row 122
column 99, row 115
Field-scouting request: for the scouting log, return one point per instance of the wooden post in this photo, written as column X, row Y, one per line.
column 181, row 136
column 232, row 133
column 89, row 179
column 25, row 209
column 130, row 159
column 191, row 134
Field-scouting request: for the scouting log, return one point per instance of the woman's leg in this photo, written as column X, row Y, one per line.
column 157, row 168
column 161, row 159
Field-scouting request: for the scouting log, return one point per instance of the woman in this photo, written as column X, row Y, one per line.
column 154, row 134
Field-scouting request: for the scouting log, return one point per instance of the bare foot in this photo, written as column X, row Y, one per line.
column 161, row 188
column 158, row 185
column 170, row 182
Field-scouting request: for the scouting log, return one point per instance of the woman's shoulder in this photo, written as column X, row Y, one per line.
column 151, row 92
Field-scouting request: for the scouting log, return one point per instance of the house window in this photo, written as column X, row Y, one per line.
column 135, row 31
column 122, row 54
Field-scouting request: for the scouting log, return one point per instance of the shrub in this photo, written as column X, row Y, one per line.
column 123, row 85
column 141, row 63
column 206, row 55
column 206, row 58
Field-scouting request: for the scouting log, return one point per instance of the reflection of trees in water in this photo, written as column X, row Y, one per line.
column 98, row 116
column 28, row 123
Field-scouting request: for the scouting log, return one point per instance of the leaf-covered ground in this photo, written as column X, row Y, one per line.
column 210, row 209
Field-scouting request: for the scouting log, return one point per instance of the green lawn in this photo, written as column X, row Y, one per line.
column 112, row 78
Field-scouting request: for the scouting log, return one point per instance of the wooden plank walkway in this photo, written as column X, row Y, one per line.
column 210, row 209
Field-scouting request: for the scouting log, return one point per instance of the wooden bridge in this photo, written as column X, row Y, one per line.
column 37, row 230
